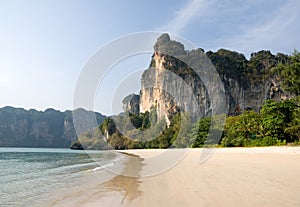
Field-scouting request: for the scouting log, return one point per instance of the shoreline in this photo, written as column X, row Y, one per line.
column 256, row 176
column 107, row 187
column 259, row 176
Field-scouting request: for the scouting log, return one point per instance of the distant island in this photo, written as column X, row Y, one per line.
column 262, row 95
column 32, row 128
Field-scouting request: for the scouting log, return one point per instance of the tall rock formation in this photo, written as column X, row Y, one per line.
column 246, row 84
column 51, row 128
column 131, row 104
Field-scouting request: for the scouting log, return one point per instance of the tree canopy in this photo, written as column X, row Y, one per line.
column 289, row 73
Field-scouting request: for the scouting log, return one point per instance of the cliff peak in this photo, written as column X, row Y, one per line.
column 165, row 45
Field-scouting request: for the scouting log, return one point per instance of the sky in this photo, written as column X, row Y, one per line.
column 44, row 45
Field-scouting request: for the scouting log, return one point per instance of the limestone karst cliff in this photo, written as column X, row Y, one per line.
column 131, row 103
column 50, row 128
column 246, row 83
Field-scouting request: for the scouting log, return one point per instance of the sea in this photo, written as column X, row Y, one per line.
column 39, row 176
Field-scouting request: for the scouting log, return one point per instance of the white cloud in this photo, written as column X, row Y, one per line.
column 246, row 26
column 195, row 8
column 278, row 33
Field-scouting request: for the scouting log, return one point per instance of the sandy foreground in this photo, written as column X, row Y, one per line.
column 228, row 177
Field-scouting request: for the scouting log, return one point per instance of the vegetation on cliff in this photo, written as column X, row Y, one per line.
column 277, row 123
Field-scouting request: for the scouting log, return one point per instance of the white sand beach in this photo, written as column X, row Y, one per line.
column 230, row 177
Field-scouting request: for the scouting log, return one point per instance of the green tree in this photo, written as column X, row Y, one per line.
column 241, row 130
column 293, row 128
column 108, row 126
column 261, row 63
column 289, row 73
column 182, row 128
column 116, row 141
column 277, row 116
column 199, row 132
column 229, row 63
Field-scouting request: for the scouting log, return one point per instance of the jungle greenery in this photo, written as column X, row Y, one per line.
column 277, row 123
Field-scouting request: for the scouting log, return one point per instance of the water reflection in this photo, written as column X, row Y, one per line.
column 127, row 186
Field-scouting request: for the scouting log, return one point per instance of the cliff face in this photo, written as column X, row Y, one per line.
column 245, row 86
column 253, row 96
column 131, row 104
column 51, row 128
column 173, row 90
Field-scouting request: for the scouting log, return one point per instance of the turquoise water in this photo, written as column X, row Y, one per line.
column 29, row 176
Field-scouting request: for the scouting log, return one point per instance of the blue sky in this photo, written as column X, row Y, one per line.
column 45, row 44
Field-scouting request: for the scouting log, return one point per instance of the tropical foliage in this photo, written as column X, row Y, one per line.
column 277, row 123
column 274, row 125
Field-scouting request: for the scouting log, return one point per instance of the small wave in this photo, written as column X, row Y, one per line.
column 117, row 160
column 102, row 167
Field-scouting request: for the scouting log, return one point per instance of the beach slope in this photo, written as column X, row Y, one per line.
column 230, row 177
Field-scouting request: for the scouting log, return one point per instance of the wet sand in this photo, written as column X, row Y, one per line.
column 104, row 188
column 230, row 177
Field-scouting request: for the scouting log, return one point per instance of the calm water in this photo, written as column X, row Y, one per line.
column 30, row 176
